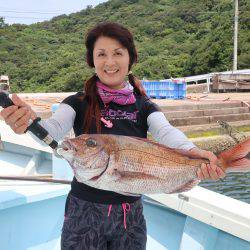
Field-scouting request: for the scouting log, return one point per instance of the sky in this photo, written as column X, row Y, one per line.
column 33, row 11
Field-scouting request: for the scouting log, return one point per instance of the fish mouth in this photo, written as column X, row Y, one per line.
column 66, row 150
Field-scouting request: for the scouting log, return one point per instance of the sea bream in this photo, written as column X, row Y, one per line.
column 130, row 165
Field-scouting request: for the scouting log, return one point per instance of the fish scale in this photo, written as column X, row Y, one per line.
column 154, row 165
column 152, row 151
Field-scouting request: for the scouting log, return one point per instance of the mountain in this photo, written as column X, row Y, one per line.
column 174, row 38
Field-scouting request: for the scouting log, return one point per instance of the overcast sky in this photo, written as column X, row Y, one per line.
column 32, row 11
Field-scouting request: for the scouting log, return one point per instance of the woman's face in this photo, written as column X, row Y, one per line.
column 111, row 62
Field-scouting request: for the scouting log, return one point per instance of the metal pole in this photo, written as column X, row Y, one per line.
column 208, row 83
column 33, row 178
column 236, row 18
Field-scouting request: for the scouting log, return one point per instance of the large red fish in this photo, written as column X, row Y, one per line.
column 130, row 165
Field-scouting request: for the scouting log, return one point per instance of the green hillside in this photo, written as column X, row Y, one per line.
column 174, row 38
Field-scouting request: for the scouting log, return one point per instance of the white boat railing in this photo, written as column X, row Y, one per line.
column 208, row 77
column 26, row 140
column 217, row 210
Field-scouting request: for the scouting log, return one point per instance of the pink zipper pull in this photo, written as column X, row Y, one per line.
column 108, row 124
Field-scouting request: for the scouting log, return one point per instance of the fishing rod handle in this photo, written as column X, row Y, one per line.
column 5, row 101
column 34, row 127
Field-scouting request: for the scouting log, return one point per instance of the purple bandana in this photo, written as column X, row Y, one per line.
column 122, row 96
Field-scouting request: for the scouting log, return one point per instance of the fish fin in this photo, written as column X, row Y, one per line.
column 236, row 159
column 115, row 176
column 113, row 165
column 186, row 187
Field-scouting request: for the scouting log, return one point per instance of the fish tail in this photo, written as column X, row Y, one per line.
column 236, row 159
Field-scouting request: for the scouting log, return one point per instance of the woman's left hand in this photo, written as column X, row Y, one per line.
column 210, row 170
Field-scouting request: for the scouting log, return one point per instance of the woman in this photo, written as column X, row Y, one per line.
column 98, row 219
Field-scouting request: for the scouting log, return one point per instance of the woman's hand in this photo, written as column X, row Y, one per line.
column 18, row 115
column 208, row 171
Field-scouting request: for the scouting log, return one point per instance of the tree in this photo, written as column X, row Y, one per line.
column 173, row 38
column 2, row 23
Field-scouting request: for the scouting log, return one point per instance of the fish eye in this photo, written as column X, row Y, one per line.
column 91, row 143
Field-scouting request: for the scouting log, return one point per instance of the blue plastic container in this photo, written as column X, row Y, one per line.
column 165, row 89
column 182, row 90
column 176, row 90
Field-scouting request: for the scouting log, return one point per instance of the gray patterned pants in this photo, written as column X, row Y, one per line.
column 94, row 226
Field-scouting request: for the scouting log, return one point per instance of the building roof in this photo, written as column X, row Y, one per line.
column 4, row 77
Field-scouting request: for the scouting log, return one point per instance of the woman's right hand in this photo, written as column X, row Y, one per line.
column 18, row 115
